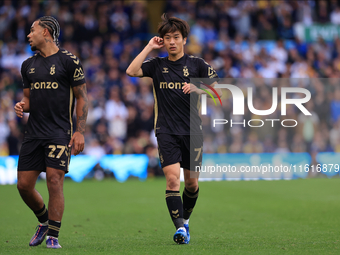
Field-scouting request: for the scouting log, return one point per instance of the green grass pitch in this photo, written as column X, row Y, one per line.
column 243, row 217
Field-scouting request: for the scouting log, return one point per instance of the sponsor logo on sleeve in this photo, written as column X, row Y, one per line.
column 78, row 74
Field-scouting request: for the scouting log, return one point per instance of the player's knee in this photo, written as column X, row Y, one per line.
column 23, row 186
column 173, row 183
column 54, row 181
column 191, row 186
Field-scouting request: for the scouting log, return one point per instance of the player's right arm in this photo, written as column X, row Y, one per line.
column 135, row 68
column 23, row 105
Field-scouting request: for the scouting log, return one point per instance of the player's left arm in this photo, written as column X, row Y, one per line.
column 77, row 139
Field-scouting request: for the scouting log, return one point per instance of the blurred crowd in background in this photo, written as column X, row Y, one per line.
column 252, row 40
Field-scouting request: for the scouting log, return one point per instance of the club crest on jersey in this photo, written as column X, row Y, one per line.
column 185, row 71
column 52, row 70
column 32, row 70
column 165, row 70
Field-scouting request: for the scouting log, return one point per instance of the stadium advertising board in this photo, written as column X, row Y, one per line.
column 122, row 166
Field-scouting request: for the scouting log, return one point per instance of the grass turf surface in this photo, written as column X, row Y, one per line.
column 243, row 217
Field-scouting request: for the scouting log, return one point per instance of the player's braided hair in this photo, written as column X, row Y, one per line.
column 52, row 26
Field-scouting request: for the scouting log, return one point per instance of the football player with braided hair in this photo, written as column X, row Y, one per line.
column 52, row 79
column 52, row 25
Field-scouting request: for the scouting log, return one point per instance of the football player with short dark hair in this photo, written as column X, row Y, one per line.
column 180, row 142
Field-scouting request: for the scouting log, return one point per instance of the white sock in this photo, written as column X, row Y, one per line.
column 186, row 221
column 44, row 223
column 51, row 236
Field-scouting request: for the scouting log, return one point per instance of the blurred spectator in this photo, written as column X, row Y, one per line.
column 322, row 11
column 305, row 12
column 252, row 145
column 334, row 136
column 12, row 139
column 335, row 16
column 266, row 29
column 4, row 128
column 335, row 106
column 308, row 125
column 94, row 149
column 116, row 114
column 286, row 28
column 279, row 52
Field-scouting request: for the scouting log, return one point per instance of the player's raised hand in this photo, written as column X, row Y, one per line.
column 78, row 141
column 189, row 87
column 156, row 43
column 19, row 109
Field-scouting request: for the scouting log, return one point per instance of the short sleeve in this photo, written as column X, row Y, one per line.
column 76, row 72
column 25, row 81
column 206, row 70
column 148, row 67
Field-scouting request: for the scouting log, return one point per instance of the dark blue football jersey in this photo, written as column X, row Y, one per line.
column 50, row 81
column 174, row 109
